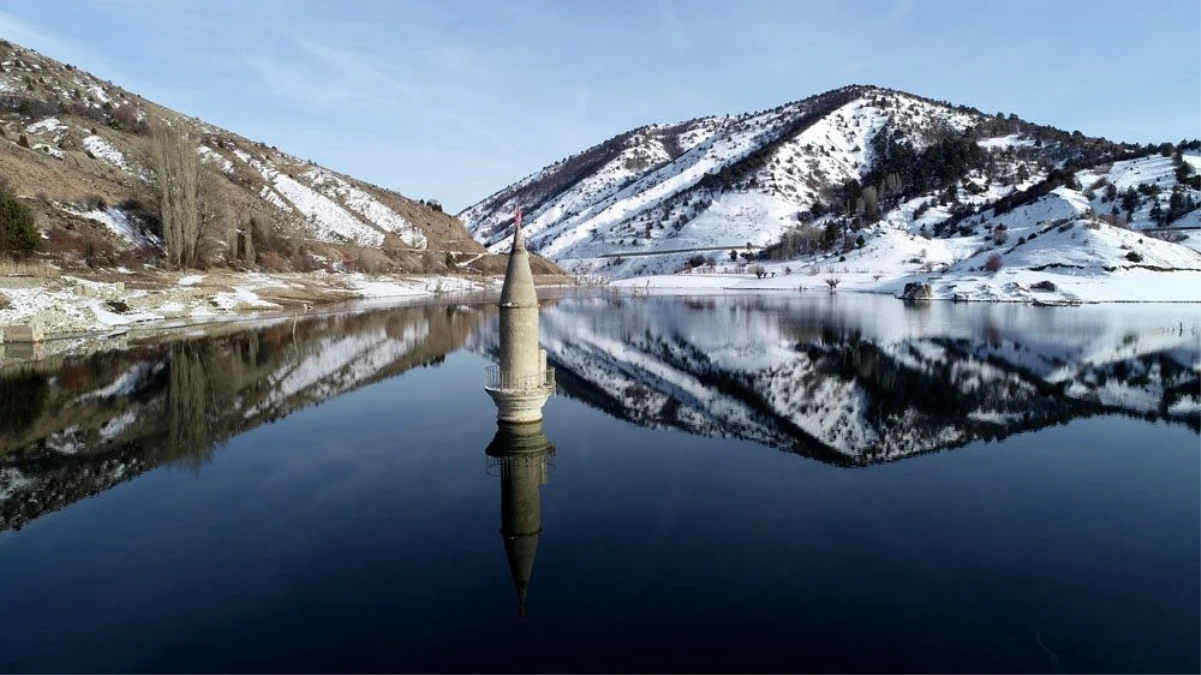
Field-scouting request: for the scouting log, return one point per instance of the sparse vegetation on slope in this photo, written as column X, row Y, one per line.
column 828, row 181
column 82, row 154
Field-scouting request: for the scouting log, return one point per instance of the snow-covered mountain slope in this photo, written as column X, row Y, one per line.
column 79, row 148
column 858, row 161
column 829, row 380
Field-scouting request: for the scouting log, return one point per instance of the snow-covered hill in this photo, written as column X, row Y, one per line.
column 78, row 148
column 832, row 174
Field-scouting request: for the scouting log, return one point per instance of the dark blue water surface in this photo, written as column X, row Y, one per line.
column 736, row 484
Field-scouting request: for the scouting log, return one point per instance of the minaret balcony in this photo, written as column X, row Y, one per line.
column 532, row 381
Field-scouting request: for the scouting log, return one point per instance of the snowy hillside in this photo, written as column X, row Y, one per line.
column 830, row 175
column 79, row 147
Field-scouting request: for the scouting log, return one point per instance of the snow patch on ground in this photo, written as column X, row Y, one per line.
column 241, row 298
column 49, row 150
column 1010, row 141
column 212, row 156
column 387, row 289
column 103, row 151
column 50, row 125
column 367, row 206
column 119, row 223
column 326, row 219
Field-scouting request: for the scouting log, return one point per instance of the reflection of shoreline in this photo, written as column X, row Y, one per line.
column 522, row 456
column 94, row 421
column 63, row 347
column 851, row 388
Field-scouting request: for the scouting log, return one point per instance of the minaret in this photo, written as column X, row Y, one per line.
column 521, row 383
column 521, row 455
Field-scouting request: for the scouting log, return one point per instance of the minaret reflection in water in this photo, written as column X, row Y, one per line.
column 523, row 457
column 520, row 453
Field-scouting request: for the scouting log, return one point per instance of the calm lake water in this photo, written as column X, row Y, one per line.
column 735, row 483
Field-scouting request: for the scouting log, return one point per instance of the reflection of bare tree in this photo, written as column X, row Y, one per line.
column 21, row 400
column 191, row 409
column 77, row 425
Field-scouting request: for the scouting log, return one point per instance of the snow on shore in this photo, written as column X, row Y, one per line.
column 1076, row 261
column 1137, row 285
column 70, row 305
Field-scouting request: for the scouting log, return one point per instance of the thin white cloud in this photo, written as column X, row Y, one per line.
column 288, row 81
column 345, row 75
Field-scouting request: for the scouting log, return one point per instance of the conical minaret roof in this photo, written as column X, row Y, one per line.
column 518, row 290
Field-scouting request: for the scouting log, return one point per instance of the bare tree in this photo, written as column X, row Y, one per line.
column 177, row 169
column 190, row 407
column 212, row 214
column 191, row 206
column 832, row 282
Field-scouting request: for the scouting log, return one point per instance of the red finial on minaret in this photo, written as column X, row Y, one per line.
column 518, row 236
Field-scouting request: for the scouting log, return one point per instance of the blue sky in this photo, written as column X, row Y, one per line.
column 454, row 99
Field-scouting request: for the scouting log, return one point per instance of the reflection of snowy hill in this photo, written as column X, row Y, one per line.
column 811, row 377
column 93, row 422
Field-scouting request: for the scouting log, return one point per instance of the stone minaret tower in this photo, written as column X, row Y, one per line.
column 521, row 383
column 521, row 455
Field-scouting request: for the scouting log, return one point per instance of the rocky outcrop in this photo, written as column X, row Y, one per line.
column 917, row 291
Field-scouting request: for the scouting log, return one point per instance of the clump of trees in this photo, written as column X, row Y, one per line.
column 191, row 207
column 742, row 173
column 902, row 171
column 18, row 230
column 1185, row 174
column 793, row 243
column 1056, row 178
column 1179, row 204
